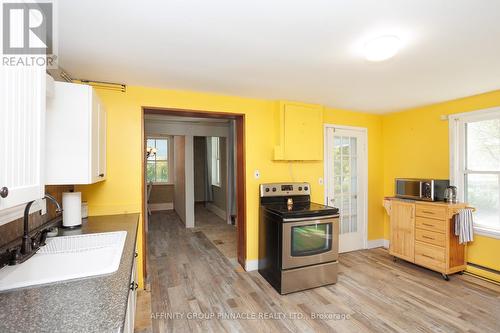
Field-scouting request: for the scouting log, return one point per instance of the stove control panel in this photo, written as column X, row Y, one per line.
column 284, row 189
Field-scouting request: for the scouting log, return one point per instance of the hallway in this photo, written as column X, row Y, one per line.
column 218, row 231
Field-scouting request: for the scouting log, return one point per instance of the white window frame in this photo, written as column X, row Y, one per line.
column 457, row 155
column 216, row 161
column 170, row 158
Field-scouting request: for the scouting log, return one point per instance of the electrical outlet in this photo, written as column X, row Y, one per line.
column 256, row 174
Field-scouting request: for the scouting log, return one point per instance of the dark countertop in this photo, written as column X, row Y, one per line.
column 94, row 304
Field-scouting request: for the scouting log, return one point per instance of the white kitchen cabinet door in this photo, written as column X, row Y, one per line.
column 132, row 301
column 76, row 136
column 22, row 124
column 101, row 145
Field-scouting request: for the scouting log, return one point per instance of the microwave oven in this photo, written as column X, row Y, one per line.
column 421, row 189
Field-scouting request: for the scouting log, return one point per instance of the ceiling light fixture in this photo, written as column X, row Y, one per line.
column 382, row 48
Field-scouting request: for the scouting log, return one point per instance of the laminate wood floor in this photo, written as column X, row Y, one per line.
column 218, row 231
column 194, row 288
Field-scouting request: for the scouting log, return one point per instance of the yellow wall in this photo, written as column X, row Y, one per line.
column 121, row 192
column 396, row 144
column 416, row 145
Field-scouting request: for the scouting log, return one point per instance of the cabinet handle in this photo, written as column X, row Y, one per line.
column 423, row 236
column 4, row 192
column 429, row 225
column 101, row 175
column 136, row 254
column 425, row 255
column 428, row 212
column 133, row 285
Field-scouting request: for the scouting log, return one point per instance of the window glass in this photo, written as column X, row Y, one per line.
column 480, row 170
column 482, row 192
column 483, row 145
column 157, row 167
column 215, row 161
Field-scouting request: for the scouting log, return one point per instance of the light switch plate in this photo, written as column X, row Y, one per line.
column 256, row 174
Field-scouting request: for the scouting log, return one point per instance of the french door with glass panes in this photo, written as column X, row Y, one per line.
column 346, row 185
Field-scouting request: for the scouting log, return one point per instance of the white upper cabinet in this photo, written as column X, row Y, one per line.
column 76, row 136
column 22, row 112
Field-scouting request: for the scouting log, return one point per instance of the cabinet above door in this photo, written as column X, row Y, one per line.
column 300, row 132
column 76, row 136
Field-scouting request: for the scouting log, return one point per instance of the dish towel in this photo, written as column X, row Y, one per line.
column 464, row 226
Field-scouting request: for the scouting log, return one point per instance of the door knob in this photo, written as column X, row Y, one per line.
column 4, row 192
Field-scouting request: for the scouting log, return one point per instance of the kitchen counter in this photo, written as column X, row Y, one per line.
column 436, row 203
column 94, row 304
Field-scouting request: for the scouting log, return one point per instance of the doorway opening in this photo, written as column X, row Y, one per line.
column 346, row 170
column 195, row 172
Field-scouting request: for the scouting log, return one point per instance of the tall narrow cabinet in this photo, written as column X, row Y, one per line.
column 22, row 133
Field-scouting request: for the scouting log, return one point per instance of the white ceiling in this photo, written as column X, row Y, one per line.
column 286, row 49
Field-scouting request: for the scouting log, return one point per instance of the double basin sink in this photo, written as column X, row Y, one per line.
column 67, row 258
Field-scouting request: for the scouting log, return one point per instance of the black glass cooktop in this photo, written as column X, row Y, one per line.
column 298, row 210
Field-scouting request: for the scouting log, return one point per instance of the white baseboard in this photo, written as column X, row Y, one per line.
column 251, row 265
column 217, row 211
column 161, row 206
column 378, row 243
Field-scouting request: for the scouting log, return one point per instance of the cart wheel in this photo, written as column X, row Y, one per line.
column 395, row 259
column 461, row 272
column 445, row 277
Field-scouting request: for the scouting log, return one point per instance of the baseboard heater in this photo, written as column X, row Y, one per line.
column 486, row 269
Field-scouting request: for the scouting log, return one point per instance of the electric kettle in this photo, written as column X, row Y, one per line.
column 450, row 194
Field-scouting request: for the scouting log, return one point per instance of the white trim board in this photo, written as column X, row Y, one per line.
column 216, row 210
column 251, row 265
column 161, row 206
column 374, row 243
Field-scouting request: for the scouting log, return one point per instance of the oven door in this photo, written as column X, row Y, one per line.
column 309, row 241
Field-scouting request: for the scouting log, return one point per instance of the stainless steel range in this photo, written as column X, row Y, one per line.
column 298, row 239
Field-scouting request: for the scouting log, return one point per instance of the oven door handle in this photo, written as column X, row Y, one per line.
column 312, row 218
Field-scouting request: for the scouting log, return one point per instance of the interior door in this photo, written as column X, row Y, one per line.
column 346, row 166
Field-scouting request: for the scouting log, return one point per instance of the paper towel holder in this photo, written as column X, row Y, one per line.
column 72, row 217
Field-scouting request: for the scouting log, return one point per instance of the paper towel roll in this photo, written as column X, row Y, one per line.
column 72, row 209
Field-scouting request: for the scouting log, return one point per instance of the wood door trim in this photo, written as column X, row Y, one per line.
column 191, row 113
column 240, row 172
column 143, row 205
column 241, row 190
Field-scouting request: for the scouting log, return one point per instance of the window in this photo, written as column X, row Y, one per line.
column 475, row 164
column 158, row 170
column 215, row 161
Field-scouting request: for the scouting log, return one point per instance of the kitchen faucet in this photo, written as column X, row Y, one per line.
column 29, row 246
